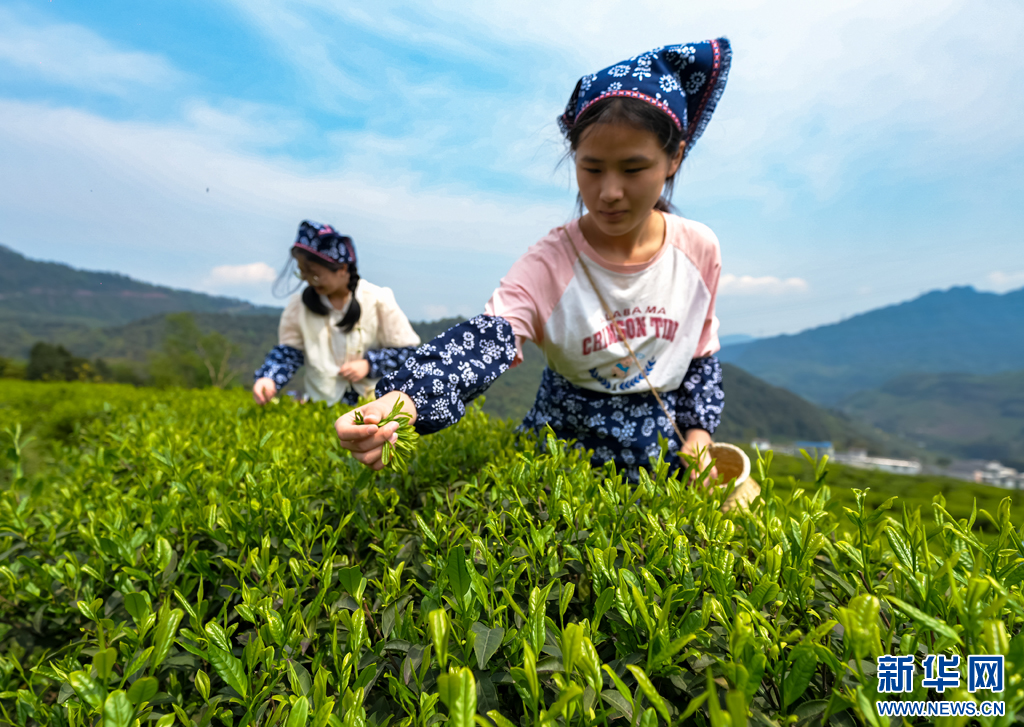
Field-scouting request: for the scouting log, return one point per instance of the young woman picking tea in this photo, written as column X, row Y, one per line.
column 621, row 300
column 347, row 331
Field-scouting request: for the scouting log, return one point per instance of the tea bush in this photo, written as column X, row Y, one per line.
column 187, row 557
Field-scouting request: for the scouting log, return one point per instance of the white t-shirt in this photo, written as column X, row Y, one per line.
column 382, row 324
column 665, row 307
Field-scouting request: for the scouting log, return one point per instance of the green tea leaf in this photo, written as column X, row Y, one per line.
column 143, row 690
column 900, row 549
column 164, row 637
column 932, row 623
column 487, row 642
column 458, row 692
column 87, row 688
column 138, row 606
column 458, row 576
column 565, row 598
column 104, row 663
column 118, row 710
column 276, row 626
column 203, row 684
column 299, row 714
column 440, row 627
column 649, row 691
column 229, row 668
column 804, row 662
column 616, row 700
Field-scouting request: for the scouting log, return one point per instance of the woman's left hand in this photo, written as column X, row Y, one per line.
column 697, row 446
column 355, row 370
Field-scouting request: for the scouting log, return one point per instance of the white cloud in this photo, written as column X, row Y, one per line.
column 119, row 182
column 435, row 312
column 71, row 55
column 242, row 274
column 816, row 88
column 1003, row 282
column 730, row 284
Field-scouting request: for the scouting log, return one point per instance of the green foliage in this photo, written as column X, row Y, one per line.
column 192, row 358
column 55, row 363
column 967, row 415
column 185, row 557
column 11, row 369
column 913, row 491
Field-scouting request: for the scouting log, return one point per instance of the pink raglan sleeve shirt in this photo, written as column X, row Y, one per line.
column 531, row 289
column 702, row 248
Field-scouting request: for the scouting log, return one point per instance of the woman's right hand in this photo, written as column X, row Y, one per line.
column 264, row 390
column 366, row 441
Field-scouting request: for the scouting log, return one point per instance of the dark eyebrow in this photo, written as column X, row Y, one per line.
column 638, row 159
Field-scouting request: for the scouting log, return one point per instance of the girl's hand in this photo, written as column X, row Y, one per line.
column 264, row 390
column 697, row 446
column 355, row 370
column 366, row 441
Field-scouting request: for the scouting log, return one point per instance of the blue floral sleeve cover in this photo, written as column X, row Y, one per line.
column 445, row 374
column 385, row 361
column 280, row 365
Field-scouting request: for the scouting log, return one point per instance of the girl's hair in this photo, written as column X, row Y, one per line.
column 310, row 298
column 640, row 115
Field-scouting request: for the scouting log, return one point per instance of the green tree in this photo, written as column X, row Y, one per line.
column 47, row 362
column 191, row 358
column 11, row 369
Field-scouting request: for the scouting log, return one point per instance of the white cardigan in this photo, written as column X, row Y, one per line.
column 382, row 324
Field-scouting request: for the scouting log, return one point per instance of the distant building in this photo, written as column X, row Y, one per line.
column 965, row 469
column 859, row 458
column 999, row 475
column 761, row 444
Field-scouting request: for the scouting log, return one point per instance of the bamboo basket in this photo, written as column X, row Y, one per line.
column 734, row 464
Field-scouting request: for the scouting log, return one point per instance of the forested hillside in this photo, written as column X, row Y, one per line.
column 56, row 303
column 976, row 417
column 960, row 330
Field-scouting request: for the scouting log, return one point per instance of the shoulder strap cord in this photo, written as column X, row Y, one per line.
column 622, row 337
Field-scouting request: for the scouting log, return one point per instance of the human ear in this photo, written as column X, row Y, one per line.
column 676, row 160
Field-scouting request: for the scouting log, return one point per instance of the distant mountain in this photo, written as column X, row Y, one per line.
column 975, row 417
column 956, row 330
column 50, row 301
column 735, row 339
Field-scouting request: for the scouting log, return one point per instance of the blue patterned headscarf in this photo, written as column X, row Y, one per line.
column 684, row 81
column 324, row 242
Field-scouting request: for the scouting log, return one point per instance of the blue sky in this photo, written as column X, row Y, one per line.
column 863, row 153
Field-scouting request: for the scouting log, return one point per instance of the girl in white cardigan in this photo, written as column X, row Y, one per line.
column 348, row 332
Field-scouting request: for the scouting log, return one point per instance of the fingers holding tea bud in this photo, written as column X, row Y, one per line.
column 264, row 390
column 365, row 441
column 366, row 434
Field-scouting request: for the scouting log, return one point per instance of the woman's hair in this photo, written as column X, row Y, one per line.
column 640, row 115
column 310, row 298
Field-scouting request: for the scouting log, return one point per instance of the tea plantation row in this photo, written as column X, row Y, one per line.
column 184, row 557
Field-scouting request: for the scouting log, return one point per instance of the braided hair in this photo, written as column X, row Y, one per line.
column 311, row 299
